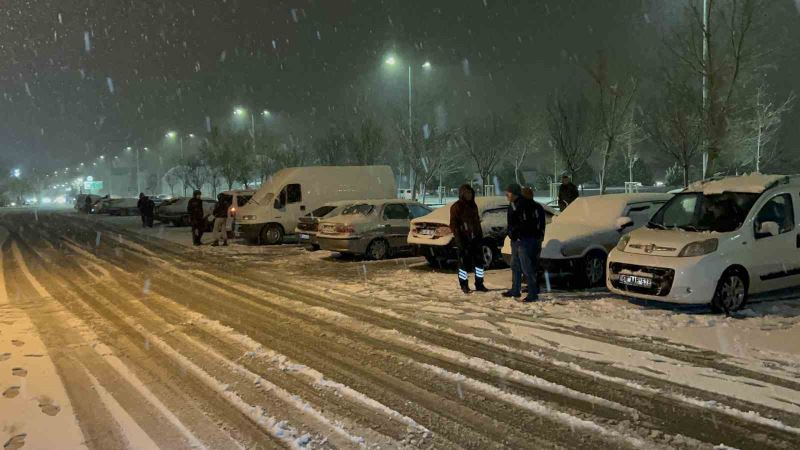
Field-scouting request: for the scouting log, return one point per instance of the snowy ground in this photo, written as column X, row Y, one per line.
column 146, row 342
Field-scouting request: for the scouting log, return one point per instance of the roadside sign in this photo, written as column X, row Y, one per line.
column 92, row 185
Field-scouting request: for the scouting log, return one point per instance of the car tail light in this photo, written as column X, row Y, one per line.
column 443, row 231
column 344, row 229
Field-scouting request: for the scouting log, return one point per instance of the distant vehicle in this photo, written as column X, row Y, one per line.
column 579, row 239
column 376, row 229
column 292, row 193
column 434, row 239
column 307, row 225
column 404, row 194
column 236, row 199
column 174, row 211
column 716, row 242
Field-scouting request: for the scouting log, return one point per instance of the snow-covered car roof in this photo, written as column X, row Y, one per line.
column 754, row 183
column 240, row 192
column 604, row 210
column 442, row 215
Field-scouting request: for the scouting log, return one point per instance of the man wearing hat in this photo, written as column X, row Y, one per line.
column 526, row 222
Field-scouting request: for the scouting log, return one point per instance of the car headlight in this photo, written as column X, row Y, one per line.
column 245, row 218
column 700, row 248
column 623, row 242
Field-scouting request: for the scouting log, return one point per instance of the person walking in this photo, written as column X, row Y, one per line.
column 567, row 193
column 221, row 220
column 526, row 225
column 465, row 223
column 196, row 217
column 148, row 212
column 140, row 206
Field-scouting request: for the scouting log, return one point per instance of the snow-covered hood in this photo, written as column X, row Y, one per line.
column 567, row 240
column 649, row 241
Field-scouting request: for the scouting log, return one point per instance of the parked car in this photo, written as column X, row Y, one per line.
column 121, row 207
column 376, row 229
column 579, row 239
column 174, row 211
column 307, row 225
column 718, row 242
column 434, row 240
column 294, row 192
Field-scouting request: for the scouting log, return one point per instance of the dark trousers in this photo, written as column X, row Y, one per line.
column 197, row 232
column 525, row 260
column 470, row 257
column 148, row 221
column 144, row 220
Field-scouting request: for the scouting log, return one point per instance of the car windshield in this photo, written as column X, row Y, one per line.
column 695, row 211
column 362, row 209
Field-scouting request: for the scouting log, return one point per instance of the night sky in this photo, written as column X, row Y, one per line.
column 80, row 78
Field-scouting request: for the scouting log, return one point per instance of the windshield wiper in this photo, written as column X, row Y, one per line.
column 652, row 224
column 691, row 228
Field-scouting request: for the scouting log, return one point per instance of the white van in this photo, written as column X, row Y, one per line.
column 292, row 193
column 716, row 242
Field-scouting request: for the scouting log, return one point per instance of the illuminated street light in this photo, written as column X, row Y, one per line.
column 171, row 134
column 239, row 111
column 391, row 61
column 427, row 65
column 102, row 156
column 266, row 113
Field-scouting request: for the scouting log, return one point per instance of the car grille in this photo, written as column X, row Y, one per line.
column 662, row 278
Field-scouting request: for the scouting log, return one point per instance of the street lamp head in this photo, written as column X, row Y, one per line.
column 171, row 134
column 427, row 65
column 191, row 135
column 239, row 111
column 128, row 149
column 81, row 164
column 391, row 60
column 266, row 113
column 102, row 156
column 146, row 149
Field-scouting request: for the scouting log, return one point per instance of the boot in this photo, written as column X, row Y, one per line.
column 479, row 285
column 464, row 286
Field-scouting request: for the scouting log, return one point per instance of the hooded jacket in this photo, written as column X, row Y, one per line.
column 465, row 218
column 195, row 209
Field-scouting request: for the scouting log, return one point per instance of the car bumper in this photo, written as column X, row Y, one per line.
column 307, row 239
column 675, row 280
column 353, row 245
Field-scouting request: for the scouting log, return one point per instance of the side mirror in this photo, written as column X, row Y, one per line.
column 623, row 223
column 768, row 229
column 277, row 204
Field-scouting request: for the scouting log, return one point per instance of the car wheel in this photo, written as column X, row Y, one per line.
column 272, row 234
column 176, row 223
column 731, row 292
column 488, row 253
column 377, row 250
column 594, row 269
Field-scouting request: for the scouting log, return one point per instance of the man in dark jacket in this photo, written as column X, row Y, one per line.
column 196, row 217
column 221, row 219
column 526, row 223
column 140, row 207
column 465, row 223
column 567, row 193
column 148, row 210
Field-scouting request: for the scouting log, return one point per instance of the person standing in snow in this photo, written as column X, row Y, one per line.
column 196, row 217
column 148, row 211
column 221, row 220
column 140, row 207
column 465, row 223
column 526, row 224
column 567, row 193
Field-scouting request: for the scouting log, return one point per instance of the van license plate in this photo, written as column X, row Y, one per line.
column 631, row 280
column 426, row 232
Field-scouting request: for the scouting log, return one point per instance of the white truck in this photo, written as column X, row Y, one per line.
column 291, row 193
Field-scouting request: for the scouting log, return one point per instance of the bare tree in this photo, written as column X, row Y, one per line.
column 440, row 159
column 614, row 105
column 368, row 146
column 485, row 142
column 196, row 171
column 264, row 161
column 720, row 48
column 293, row 153
column 333, row 149
column 172, row 178
column 675, row 125
column 569, row 124
column 765, row 124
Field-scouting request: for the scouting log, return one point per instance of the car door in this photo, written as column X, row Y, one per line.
column 291, row 201
column 775, row 260
column 396, row 219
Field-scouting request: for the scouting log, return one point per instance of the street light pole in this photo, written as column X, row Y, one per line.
column 138, row 176
column 706, row 69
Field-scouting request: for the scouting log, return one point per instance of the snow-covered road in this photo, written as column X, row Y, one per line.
column 161, row 345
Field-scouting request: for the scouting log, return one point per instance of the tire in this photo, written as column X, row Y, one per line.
column 271, row 234
column 176, row 223
column 731, row 292
column 489, row 255
column 593, row 269
column 378, row 250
